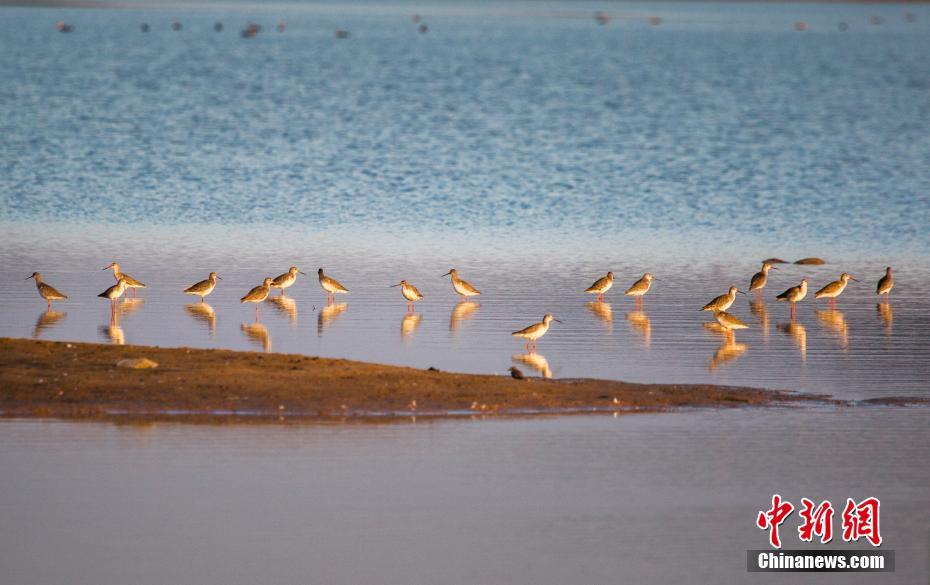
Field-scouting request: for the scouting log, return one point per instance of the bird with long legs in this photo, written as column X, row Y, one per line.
column 461, row 287
column 601, row 286
column 794, row 295
column 258, row 294
column 410, row 293
column 761, row 278
column 46, row 291
column 131, row 282
column 203, row 288
column 331, row 286
column 834, row 289
column 532, row 333
column 640, row 288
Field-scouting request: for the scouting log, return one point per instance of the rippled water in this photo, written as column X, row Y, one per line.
column 526, row 146
column 666, row 498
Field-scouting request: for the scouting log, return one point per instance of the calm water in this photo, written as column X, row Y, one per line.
column 638, row 499
column 522, row 144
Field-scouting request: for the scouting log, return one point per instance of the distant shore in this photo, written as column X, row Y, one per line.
column 82, row 380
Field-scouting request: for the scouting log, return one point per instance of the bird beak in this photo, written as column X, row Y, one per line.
column 740, row 292
column 393, row 285
column 106, row 267
column 854, row 279
column 446, row 274
column 556, row 320
column 302, row 272
column 219, row 277
column 28, row 277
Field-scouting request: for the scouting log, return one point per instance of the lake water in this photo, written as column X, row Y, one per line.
column 668, row 498
column 533, row 150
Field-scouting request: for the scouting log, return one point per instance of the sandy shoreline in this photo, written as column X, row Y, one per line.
column 81, row 380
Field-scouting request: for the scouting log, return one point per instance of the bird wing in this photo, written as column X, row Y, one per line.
column 757, row 281
column 716, row 301
column 416, row 291
column 638, row 286
column 333, row 284
column 49, row 292
column 527, row 331
column 831, row 288
column 468, row 287
column 790, row 292
column 253, row 294
column 197, row 287
column 279, row 279
column 599, row 284
column 130, row 281
column 884, row 285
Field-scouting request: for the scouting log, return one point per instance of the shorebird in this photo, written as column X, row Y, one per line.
column 258, row 294
column 410, row 293
column 461, row 287
column 204, row 287
column 516, row 374
column 885, row 284
column 795, row 294
column 834, row 289
column 115, row 292
column 761, row 278
column 601, row 285
column 331, row 286
column 46, row 291
column 535, row 331
column 724, row 301
column 728, row 321
column 287, row 279
column 130, row 281
column 640, row 288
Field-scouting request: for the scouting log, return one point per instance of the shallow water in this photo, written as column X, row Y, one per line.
column 668, row 498
column 524, row 145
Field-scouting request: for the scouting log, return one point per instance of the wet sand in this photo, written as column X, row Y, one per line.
column 81, row 380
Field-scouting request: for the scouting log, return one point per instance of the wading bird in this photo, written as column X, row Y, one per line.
column 203, row 288
column 331, row 286
column 287, row 279
column 601, row 286
column 834, row 289
column 130, row 281
column 258, row 294
column 461, row 287
column 640, row 288
column 46, row 291
column 885, row 284
column 410, row 293
column 535, row 331
column 761, row 278
column 724, row 301
column 795, row 294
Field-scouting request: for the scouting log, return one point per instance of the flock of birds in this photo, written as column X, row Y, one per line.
column 718, row 306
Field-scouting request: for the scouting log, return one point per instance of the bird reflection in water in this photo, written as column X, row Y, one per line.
column 835, row 321
column 603, row 311
column 728, row 351
column 461, row 312
column 128, row 306
column 798, row 333
column 409, row 325
column 536, row 361
column 204, row 313
column 328, row 315
column 759, row 310
column 639, row 323
column 284, row 305
column 257, row 333
column 887, row 315
column 113, row 332
column 47, row 320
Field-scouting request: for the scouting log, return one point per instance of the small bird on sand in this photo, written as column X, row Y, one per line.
column 516, row 374
column 834, row 289
column 728, row 321
column 409, row 292
column 331, row 286
column 885, row 284
column 115, row 292
column 46, row 291
column 258, row 294
column 601, row 286
column 203, row 288
column 535, row 331
column 130, row 281
column 462, row 288
column 640, row 288
column 285, row 280
column 761, row 278
column 724, row 301
column 795, row 294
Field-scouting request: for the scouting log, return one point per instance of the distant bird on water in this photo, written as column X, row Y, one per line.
column 516, row 374
column 287, row 279
column 331, row 286
column 728, row 321
column 46, row 291
column 885, row 284
column 835, row 288
column 258, row 294
column 204, row 287
column 461, row 287
column 115, row 292
column 535, row 331
column 724, row 301
column 409, row 292
column 795, row 294
column 130, row 281
column 761, row 278
column 601, row 286
column 640, row 288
